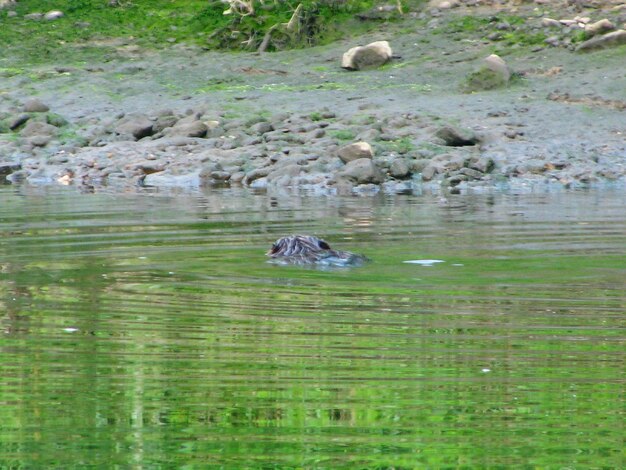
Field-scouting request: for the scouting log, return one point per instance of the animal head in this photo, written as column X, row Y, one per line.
column 298, row 245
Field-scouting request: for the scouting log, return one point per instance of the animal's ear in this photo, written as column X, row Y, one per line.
column 323, row 245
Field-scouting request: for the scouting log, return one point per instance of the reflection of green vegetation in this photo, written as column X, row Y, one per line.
column 151, row 333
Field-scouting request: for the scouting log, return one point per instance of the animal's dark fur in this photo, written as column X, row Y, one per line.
column 306, row 249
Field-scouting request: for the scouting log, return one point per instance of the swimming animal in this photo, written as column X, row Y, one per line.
column 306, row 249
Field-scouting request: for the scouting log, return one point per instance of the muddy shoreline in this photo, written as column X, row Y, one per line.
column 190, row 118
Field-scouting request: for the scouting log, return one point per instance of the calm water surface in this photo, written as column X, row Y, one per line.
column 147, row 331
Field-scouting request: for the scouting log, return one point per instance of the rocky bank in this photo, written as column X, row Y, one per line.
column 296, row 119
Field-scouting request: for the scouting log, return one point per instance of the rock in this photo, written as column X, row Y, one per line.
column 17, row 121
column 163, row 122
column 455, row 137
column 471, row 173
column 380, row 12
column 553, row 41
column 482, row 164
column 33, row 105
column 56, row 120
column 53, row 15
column 429, row 172
column 7, row 3
column 165, row 178
column 261, row 128
column 399, row 168
column 616, row 38
column 33, row 128
column 139, row 126
column 6, row 168
column 255, row 174
column 186, row 128
column 362, row 171
column 599, row 27
column 33, row 16
column 550, row 23
column 498, row 66
column 39, row 140
column 284, row 175
column 373, row 55
column 494, row 73
column 355, row 151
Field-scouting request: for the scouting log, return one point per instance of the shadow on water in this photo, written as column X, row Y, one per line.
column 148, row 330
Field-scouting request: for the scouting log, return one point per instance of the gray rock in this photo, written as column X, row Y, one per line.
column 497, row 65
column 362, row 171
column 33, row 105
column 33, row 16
column 355, row 151
column 482, row 164
column 7, row 4
column 285, row 173
column 261, row 128
column 373, row 55
column 6, row 168
column 429, row 172
column 550, row 23
column 138, row 125
column 53, row 15
column 399, row 168
column 34, row 128
column 599, row 27
column 166, row 178
column 613, row 39
column 455, row 137
column 256, row 174
column 188, row 129
column 493, row 73
column 39, row 140
column 163, row 122
column 471, row 173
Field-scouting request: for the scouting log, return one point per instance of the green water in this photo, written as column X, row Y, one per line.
column 147, row 331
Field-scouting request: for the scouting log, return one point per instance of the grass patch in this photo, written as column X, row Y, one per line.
column 342, row 134
column 96, row 30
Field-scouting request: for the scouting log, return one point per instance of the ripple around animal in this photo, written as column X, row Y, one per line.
column 147, row 330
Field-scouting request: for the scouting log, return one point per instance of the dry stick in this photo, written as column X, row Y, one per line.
column 266, row 38
column 289, row 26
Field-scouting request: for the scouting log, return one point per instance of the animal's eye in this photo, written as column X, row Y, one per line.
column 274, row 248
column 323, row 245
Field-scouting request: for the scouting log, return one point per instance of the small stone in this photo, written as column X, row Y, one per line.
column 471, row 173
column 33, row 16
column 33, row 105
column 53, row 15
column 355, row 151
column 455, row 137
column 362, row 171
column 497, row 65
column 139, row 126
column 373, row 55
column 613, row 39
column 40, row 140
column 599, row 27
column 399, row 168
column 550, row 23
column 261, row 128
column 429, row 172
column 34, row 128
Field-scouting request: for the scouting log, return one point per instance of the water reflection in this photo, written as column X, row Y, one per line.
column 146, row 330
